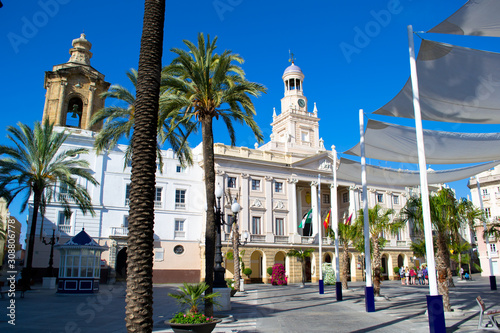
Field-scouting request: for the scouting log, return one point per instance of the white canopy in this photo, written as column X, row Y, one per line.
column 476, row 18
column 390, row 142
column 456, row 84
column 350, row 170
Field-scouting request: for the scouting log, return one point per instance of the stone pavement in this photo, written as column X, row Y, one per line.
column 262, row 308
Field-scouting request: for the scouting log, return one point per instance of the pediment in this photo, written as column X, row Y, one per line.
column 321, row 161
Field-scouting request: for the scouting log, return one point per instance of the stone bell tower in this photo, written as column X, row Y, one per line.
column 73, row 89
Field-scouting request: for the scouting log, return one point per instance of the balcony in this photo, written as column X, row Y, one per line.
column 157, row 204
column 486, row 197
column 281, row 239
column 65, row 197
column 118, row 232
column 402, row 243
column 328, row 241
column 179, row 234
column 66, row 228
column 307, row 239
column 179, row 205
column 257, row 238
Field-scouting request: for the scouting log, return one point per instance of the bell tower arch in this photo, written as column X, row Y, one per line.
column 73, row 89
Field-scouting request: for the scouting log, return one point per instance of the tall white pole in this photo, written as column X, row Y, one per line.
column 335, row 214
column 486, row 240
column 320, row 233
column 424, row 189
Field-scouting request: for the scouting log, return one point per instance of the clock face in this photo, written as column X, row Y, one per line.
column 302, row 103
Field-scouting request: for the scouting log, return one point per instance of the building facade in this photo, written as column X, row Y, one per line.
column 276, row 184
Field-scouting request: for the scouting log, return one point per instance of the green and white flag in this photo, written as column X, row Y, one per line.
column 306, row 219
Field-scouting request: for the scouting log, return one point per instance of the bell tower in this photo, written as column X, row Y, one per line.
column 295, row 128
column 73, row 89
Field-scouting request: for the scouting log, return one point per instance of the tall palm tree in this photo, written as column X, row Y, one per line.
column 119, row 124
column 139, row 299
column 301, row 255
column 37, row 166
column 446, row 218
column 205, row 85
column 381, row 222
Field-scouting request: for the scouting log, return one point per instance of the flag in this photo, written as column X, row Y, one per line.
column 326, row 223
column 348, row 222
column 306, row 219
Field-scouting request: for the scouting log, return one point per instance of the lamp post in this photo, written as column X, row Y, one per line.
column 52, row 241
column 235, row 236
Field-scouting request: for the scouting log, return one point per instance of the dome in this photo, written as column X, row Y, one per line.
column 292, row 69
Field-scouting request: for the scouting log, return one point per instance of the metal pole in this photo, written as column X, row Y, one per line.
column 335, row 216
column 434, row 300
column 219, row 271
column 369, row 296
column 493, row 281
column 320, row 233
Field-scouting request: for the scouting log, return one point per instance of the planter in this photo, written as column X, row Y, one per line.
column 233, row 292
column 196, row 328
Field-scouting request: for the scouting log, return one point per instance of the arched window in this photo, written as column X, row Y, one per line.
column 74, row 113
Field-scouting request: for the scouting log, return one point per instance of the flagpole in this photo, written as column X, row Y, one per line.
column 434, row 300
column 320, row 233
column 335, row 214
column 369, row 295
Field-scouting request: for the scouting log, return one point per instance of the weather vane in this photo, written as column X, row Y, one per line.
column 292, row 58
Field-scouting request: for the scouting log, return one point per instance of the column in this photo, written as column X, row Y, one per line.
column 294, row 208
column 90, row 107
column 353, row 202
column 244, row 215
column 268, row 229
column 59, row 117
column 47, row 102
column 314, row 204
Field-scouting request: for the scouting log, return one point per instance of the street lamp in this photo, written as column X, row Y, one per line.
column 52, row 241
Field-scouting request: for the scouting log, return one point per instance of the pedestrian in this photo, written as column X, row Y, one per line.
column 420, row 276
column 425, row 273
column 467, row 276
column 407, row 276
column 402, row 275
column 412, row 276
column 462, row 273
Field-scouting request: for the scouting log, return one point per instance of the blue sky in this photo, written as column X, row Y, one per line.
column 354, row 54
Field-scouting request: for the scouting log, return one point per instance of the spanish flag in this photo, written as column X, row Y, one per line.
column 326, row 223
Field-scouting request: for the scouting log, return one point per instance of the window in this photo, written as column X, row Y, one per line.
column 485, row 191
column 326, row 198
column 159, row 254
column 125, row 221
column 395, row 199
column 255, row 185
column 280, row 226
column 380, row 197
column 179, row 231
column 487, row 212
column 64, row 222
column 231, row 182
column 345, row 197
column 278, row 187
column 180, row 169
column 256, row 225
column 493, row 248
column 180, row 199
column 127, row 194
column 158, row 200
column 305, row 136
column 65, row 192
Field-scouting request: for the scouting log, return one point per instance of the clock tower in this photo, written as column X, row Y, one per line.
column 295, row 129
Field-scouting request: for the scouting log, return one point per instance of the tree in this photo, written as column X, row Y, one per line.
column 139, row 299
column 447, row 217
column 380, row 222
column 38, row 167
column 206, row 85
column 119, row 124
column 301, row 255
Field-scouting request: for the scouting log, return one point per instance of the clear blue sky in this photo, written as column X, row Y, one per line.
column 354, row 54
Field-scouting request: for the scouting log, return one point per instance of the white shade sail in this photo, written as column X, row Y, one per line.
column 457, row 84
column 389, row 142
column 475, row 18
column 350, row 170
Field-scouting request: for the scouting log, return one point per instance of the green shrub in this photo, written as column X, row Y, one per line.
column 270, row 271
column 247, row 272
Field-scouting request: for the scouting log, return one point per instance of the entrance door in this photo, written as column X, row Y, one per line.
column 308, row 269
column 121, row 264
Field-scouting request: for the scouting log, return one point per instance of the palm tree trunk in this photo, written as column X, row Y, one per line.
column 139, row 300
column 345, row 266
column 442, row 271
column 303, row 263
column 377, row 262
column 236, row 256
column 448, row 270
column 209, row 169
column 37, row 197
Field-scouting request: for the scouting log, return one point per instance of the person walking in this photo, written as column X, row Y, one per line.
column 402, row 275
column 412, row 276
column 425, row 273
column 420, row 276
column 407, row 276
column 462, row 273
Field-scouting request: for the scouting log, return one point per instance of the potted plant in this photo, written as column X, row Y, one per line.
column 190, row 297
column 247, row 271
column 278, row 275
column 230, row 284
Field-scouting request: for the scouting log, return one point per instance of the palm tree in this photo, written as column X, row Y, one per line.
column 206, row 85
column 381, row 222
column 119, row 123
column 446, row 218
column 301, row 255
column 37, row 166
column 458, row 254
column 139, row 299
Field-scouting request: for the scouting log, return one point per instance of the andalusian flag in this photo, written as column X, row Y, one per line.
column 326, row 223
column 306, row 219
column 348, row 222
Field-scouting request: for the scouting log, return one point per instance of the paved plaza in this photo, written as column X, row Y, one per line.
column 262, row 308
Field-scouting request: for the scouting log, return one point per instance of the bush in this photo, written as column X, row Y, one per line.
column 270, row 270
column 328, row 274
column 247, row 272
column 278, row 277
